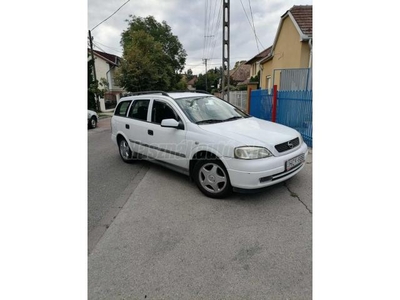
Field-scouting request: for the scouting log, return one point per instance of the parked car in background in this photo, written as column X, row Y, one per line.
column 218, row 145
column 93, row 118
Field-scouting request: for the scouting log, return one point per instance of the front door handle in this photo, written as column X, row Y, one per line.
column 150, row 132
column 127, row 126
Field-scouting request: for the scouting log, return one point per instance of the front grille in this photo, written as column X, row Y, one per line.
column 287, row 145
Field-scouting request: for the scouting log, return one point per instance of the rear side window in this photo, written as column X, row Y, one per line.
column 122, row 108
column 139, row 110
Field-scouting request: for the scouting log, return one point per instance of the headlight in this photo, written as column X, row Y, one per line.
column 252, row 152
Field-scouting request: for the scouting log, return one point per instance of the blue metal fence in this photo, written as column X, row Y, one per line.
column 294, row 109
column 261, row 104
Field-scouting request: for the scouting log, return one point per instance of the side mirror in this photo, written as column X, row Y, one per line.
column 172, row 123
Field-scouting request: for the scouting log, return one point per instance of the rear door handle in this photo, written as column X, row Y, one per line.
column 150, row 132
column 127, row 126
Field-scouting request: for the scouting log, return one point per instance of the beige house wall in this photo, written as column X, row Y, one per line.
column 288, row 52
column 255, row 67
column 267, row 68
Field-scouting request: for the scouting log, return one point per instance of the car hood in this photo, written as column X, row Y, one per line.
column 252, row 132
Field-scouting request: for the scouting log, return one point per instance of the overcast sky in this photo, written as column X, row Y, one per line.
column 191, row 20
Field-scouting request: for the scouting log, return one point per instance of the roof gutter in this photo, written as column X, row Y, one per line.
column 269, row 57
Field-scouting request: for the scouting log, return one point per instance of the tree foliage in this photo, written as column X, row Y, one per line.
column 152, row 56
column 256, row 78
column 213, row 77
column 189, row 74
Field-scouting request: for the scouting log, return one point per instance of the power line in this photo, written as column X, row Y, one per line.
column 211, row 26
column 211, row 29
column 254, row 27
column 97, row 46
column 216, row 27
column 252, row 19
column 117, row 50
column 110, row 15
column 257, row 40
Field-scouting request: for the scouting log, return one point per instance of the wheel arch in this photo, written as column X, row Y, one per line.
column 202, row 154
column 121, row 135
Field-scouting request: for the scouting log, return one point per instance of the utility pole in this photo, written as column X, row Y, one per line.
column 91, row 50
column 94, row 67
column 205, row 62
column 225, row 44
column 206, row 59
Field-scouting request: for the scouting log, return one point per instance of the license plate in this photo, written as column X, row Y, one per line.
column 294, row 162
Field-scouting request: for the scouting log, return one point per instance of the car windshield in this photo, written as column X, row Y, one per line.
column 209, row 109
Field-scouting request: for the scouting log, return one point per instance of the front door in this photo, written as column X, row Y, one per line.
column 166, row 144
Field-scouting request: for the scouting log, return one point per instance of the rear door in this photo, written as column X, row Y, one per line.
column 136, row 125
column 119, row 118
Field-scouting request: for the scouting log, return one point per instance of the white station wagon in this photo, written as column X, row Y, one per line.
column 219, row 146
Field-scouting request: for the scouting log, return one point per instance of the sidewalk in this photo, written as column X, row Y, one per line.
column 106, row 114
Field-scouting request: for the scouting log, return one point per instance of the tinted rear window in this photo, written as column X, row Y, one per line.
column 139, row 110
column 122, row 108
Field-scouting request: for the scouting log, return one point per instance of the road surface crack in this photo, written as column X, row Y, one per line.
column 293, row 194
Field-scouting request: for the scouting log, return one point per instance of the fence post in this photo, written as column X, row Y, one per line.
column 274, row 103
column 248, row 100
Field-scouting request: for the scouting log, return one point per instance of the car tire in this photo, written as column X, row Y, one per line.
column 92, row 122
column 212, row 178
column 124, row 151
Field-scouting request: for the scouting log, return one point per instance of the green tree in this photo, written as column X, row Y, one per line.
column 256, row 78
column 152, row 56
column 213, row 76
column 189, row 74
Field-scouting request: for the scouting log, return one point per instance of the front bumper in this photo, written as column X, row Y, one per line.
column 260, row 173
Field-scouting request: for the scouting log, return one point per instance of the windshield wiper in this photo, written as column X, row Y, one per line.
column 233, row 118
column 209, row 121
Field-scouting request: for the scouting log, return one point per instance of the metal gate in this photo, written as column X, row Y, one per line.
column 299, row 79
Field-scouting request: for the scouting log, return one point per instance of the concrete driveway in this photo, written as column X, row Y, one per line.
column 171, row 242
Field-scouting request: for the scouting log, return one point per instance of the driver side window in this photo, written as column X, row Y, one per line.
column 162, row 111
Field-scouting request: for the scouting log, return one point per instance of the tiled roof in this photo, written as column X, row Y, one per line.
column 109, row 57
column 259, row 56
column 241, row 73
column 303, row 16
column 193, row 80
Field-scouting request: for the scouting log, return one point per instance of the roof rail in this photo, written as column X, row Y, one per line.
column 147, row 92
column 190, row 91
column 164, row 93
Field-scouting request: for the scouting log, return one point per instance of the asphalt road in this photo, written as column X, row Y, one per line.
column 109, row 180
column 168, row 241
